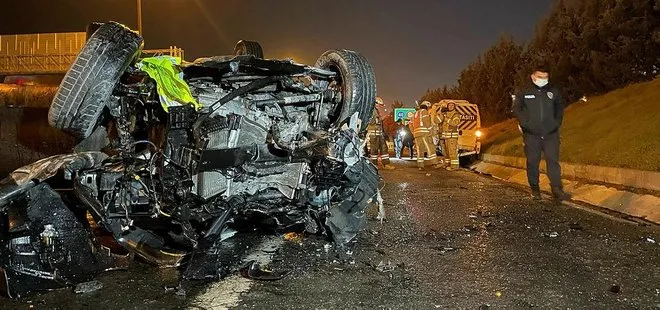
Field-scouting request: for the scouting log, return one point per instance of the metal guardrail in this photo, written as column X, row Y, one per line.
column 35, row 64
column 172, row 51
column 51, row 53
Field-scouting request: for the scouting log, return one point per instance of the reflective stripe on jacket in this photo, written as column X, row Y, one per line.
column 422, row 123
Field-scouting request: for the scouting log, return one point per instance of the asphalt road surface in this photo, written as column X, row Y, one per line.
column 451, row 240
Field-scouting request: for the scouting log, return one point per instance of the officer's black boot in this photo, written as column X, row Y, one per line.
column 560, row 195
column 536, row 193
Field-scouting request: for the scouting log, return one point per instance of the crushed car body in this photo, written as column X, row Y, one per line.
column 175, row 157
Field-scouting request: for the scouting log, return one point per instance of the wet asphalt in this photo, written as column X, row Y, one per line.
column 452, row 240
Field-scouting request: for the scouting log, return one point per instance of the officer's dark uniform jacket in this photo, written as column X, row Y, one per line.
column 407, row 137
column 540, row 110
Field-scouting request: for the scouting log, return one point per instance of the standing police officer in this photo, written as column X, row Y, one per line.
column 540, row 111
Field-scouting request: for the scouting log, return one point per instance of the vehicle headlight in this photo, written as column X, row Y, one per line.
column 479, row 133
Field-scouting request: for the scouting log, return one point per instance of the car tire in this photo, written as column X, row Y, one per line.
column 244, row 47
column 358, row 84
column 88, row 85
column 91, row 28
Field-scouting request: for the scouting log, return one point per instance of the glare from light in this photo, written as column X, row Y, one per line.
column 479, row 133
column 211, row 20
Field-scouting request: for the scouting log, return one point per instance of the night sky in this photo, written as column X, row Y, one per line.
column 413, row 45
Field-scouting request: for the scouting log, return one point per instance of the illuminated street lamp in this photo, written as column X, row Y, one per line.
column 139, row 16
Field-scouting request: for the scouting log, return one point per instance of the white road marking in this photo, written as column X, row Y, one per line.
column 226, row 293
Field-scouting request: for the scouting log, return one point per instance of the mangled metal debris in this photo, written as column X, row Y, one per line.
column 176, row 159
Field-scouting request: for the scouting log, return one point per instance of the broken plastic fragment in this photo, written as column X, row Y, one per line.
column 254, row 271
column 382, row 267
column 553, row 234
column 447, row 249
column 381, row 207
column 88, row 287
column 227, row 233
column 293, row 237
column 615, row 288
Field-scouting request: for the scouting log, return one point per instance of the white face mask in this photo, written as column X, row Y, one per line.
column 541, row 82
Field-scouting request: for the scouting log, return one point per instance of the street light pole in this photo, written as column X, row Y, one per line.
column 139, row 16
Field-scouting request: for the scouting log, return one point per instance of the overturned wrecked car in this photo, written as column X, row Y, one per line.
column 175, row 157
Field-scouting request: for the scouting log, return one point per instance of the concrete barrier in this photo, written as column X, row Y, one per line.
column 642, row 206
column 649, row 180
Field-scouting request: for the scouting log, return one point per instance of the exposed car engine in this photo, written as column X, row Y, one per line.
column 260, row 144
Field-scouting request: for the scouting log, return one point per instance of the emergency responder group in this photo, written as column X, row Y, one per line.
column 440, row 126
column 428, row 129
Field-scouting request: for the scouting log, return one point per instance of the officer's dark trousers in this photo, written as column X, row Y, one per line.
column 549, row 145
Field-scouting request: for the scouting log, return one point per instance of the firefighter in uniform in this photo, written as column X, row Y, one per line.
column 450, row 123
column 377, row 138
column 437, row 119
column 422, row 127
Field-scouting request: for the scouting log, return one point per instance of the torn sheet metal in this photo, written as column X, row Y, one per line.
column 48, row 167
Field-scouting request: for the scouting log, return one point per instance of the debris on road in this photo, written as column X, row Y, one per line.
column 615, row 288
column 382, row 267
column 88, row 287
column 381, row 207
column 650, row 240
column 575, row 226
column 178, row 290
column 373, row 232
column 293, row 237
column 254, row 271
column 444, row 250
column 553, row 234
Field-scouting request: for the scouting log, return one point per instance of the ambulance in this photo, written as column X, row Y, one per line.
column 469, row 129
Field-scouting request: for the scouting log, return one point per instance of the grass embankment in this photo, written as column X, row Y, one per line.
column 618, row 129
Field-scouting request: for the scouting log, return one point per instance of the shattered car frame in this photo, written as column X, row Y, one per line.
column 257, row 144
